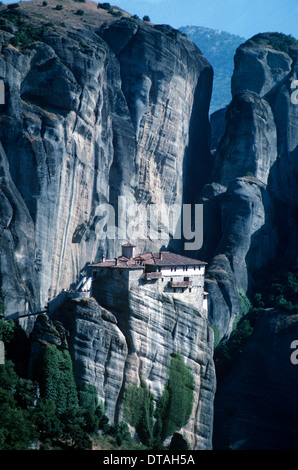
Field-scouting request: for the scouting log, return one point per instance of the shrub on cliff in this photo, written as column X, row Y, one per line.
column 16, row 429
column 13, row 6
column 55, row 377
column 226, row 353
column 173, row 410
column 278, row 287
column 139, row 411
column 6, row 330
column 175, row 406
column 26, row 33
column 278, row 41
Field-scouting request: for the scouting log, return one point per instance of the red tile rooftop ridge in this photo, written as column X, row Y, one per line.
column 163, row 258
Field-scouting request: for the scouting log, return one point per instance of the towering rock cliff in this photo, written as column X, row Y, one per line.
column 96, row 109
column 256, row 406
column 102, row 110
column 253, row 204
column 251, row 201
column 115, row 349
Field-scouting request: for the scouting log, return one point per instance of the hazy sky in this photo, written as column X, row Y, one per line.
column 242, row 17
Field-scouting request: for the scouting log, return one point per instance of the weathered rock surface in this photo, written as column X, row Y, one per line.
column 240, row 237
column 19, row 286
column 256, row 405
column 249, row 237
column 114, row 349
column 217, row 124
column 259, row 68
column 254, row 214
column 249, row 145
column 95, row 111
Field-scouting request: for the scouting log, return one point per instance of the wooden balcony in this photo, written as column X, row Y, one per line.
column 175, row 284
column 153, row 275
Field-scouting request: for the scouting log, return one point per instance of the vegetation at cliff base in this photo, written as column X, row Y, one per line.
column 51, row 412
column 277, row 288
column 55, row 378
column 227, row 352
column 172, row 411
column 16, row 428
column 139, row 411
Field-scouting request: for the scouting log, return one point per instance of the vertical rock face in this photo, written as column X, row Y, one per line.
column 113, row 350
column 19, row 286
column 149, row 58
column 259, row 68
column 249, row 145
column 253, row 204
column 96, row 113
column 92, row 114
column 256, row 405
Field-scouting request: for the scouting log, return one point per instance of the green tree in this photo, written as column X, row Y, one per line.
column 245, row 303
column 46, row 420
column 77, row 437
column 6, row 330
column 91, row 411
column 2, row 308
column 25, row 394
column 16, row 429
column 139, row 411
column 173, row 410
column 120, row 432
column 56, row 380
column 13, row 6
column 175, row 406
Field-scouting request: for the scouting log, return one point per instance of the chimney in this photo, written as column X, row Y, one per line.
column 128, row 250
column 103, row 258
column 116, row 261
column 160, row 255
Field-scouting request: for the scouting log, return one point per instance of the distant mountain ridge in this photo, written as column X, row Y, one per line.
column 219, row 48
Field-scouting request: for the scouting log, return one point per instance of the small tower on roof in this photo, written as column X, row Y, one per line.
column 128, row 250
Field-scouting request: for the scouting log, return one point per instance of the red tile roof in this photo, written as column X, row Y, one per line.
column 122, row 262
column 164, row 258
